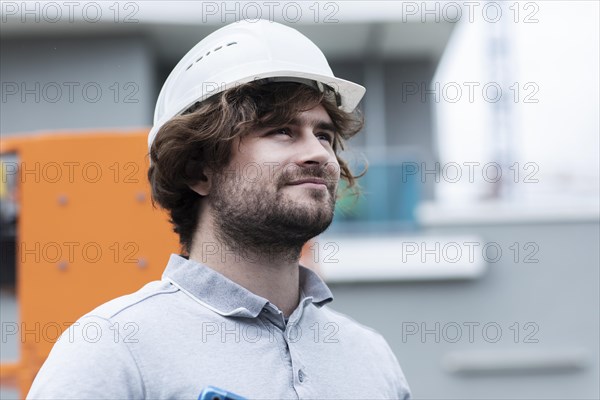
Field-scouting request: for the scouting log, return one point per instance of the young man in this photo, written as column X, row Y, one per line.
column 244, row 157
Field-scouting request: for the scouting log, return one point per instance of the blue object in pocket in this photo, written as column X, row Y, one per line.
column 214, row 393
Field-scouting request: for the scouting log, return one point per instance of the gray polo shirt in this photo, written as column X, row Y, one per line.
column 195, row 328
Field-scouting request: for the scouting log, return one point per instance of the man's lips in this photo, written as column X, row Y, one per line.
column 315, row 181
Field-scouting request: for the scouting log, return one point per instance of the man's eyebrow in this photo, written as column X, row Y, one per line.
column 314, row 123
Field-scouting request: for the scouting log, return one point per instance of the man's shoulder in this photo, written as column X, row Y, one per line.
column 148, row 297
column 352, row 328
column 93, row 357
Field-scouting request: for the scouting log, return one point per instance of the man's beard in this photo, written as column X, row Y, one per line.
column 267, row 221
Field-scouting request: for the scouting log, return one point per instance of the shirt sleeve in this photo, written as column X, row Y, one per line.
column 90, row 360
column 401, row 385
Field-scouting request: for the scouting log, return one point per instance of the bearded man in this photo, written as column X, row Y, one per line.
column 245, row 159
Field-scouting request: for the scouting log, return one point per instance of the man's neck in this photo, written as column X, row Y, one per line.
column 272, row 276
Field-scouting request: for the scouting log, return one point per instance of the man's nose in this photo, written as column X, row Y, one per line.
column 313, row 150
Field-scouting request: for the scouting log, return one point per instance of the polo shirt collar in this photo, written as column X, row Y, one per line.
column 227, row 298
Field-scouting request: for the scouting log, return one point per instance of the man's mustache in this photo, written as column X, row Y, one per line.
column 327, row 173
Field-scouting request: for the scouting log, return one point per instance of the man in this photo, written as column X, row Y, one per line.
column 244, row 157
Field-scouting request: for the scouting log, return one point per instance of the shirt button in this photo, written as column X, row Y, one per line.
column 301, row 375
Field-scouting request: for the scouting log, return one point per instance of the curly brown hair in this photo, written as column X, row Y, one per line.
column 202, row 136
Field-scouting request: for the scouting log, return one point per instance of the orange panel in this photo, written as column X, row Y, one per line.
column 87, row 231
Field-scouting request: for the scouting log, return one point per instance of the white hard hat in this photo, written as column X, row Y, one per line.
column 242, row 52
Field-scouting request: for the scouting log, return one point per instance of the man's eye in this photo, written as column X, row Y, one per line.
column 281, row 131
column 325, row 136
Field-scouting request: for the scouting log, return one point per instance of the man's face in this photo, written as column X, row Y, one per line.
column 279, row 188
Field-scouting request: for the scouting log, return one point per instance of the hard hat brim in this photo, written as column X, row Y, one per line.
column 349, row 93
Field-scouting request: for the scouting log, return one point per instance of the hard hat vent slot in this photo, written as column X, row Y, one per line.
column 206, row 55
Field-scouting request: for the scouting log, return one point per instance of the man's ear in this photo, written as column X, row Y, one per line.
column 203, row 183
